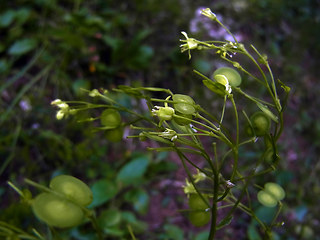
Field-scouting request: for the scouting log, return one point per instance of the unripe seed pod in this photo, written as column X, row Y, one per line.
column 181, row 121
column 199, row 218
column 260, row 123
column 184, row 105
column 72, row 188
column 110, row 118
column 115, row 135
column 232, row 75
column 196, row 202
column 271, row 194
column 267, row 199
column 275, row 189
column 56, row 211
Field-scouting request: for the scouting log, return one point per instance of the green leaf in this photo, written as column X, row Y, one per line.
column 215, row 87
column 140, row 200
column 22, row 46
column 22, row 15
column 266, row 214
column 173, row 232
column 266, row 110
column 103, row 190
column 202, row 236
column 137, row 225
column 133, row 171
column 109, row 218
column 253, row 234
column 4, row 66
column 7, row 18
column 224, row 222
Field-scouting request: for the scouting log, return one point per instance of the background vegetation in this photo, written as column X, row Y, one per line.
column 50, row 49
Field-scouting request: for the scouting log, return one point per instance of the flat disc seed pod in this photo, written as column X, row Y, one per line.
column 56, row 211
column 184, row 105
column 261, row 123
column 114, row 135
column 232, row 75
column 72, row 188
column 110, row 118
column 182, row 121
column 198, row 215
column 196, row 202
column 271, row 194
column 267, row 199
column 199, row 218
column 275, row 189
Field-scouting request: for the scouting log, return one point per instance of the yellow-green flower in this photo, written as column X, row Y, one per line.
column 188, row 188
column 200, row 176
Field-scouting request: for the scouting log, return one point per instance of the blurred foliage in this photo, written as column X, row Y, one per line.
column 51, row 49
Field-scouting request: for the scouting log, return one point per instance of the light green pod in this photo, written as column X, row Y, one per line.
column 232, row 75
column 72, row 188
column 110, row 119
column 56, row 211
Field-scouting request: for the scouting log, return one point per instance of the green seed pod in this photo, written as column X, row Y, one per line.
column 271, row 195
column 267, row 199
column 275, row 189
column 199, row 218
column 72, row 188
column 181, row 121
column 305, row 232
column 114, row 135
column 232, row 75
column 196, row 202
column 261, row 123
column 142, row 137
column 110, row 119
column 56, row 211
column 184, row 105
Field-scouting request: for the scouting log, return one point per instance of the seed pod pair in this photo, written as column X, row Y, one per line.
column 63, row 207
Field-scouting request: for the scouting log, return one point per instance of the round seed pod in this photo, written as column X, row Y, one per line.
column 72, row 188
column 115, row 135
column 110, row 118
column 196, row 202
column 275, row 189
column 181, row 121
column 56, row 211
column 267, row 199
column 199, row 218
column 261, row 123
column 271, row 195
column 184, row 105
column 232, row 75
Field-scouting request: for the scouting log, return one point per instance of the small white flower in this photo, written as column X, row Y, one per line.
column 208, row 13
column 60, row 114
column 94, row 93
column 189, row 43
column 169, row 134
column 229, row 184
column 56, row 102
column 192, row 128
column 63, row 108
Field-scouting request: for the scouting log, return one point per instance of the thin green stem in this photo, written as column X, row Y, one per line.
column 235, row 148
